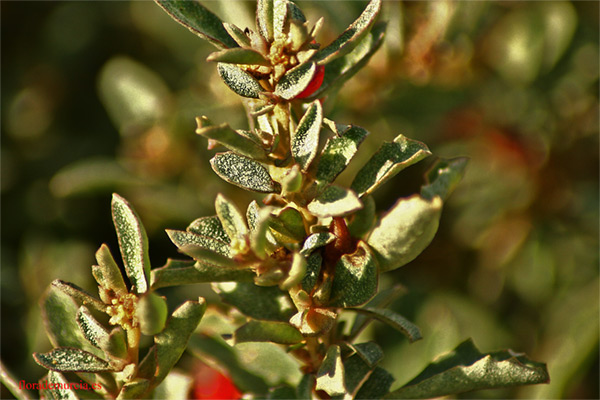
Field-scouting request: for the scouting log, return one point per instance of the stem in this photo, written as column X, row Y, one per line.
column 133, row 344
column 11, row 384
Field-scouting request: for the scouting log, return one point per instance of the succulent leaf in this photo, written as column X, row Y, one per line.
column 243, row 172
column 334, row 201
column 240, row 81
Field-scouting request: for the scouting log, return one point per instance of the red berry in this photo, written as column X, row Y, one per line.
column 211, row 384
column 314, row 84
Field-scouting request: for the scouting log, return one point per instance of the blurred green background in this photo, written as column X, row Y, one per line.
column 99, row 97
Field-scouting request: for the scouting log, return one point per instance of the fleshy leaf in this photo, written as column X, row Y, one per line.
column 355, row 279
column 239, row 55
column 313, row 267
column 172, row 341
column 60, row 387
column 282, row 393
column 405, row 231
column 78, row 294
column 363, row 220
column 330, row 376
column 338, row 152
column 258, row 223
column 352, row 35
column 176, row 386
column 199, row 20
column 237, row 34
column 296, row 273
column 466, row 369
column 305, row 387
column 305, row 139
column 182, row 239
column 264, row 303
column 176, row 273
column 151, row 312
column 69, row 359
column 115, row 345
column 209, row 226
column 338, row 71
column 443, row 177
column 243, row 172
column 334, row 201
column 382, row 299
column 290, row 224
column 240, row 81
column 204, row 255
column 390, row 159
column 377, row 385
column 133, row 389
column 393, row 319
column 231, row 139
column 370, row 352
column 133, row 243
column 231, row 218
column 107, row 272
column 356, row 373
column 264, row 18
column 92, row 330
column 267, row 331
column 315, row 241
column 295, row 81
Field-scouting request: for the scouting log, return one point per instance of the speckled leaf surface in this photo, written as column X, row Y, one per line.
column 243, row 172
column 231, row 218
column 182, row 239
column 334, row 201
column 259, row 302
column 466, row 369
column 78, row 294
column 352, row 35
column 295, row 80
column 133, row 243
column 313, row 268
column 240, row 81
column 358, row 379
column 338, row 152
column 390, row 159
column 443, row 177
column 209, row 226
column 305, row 139
column 264, row 18
column 396, row 321
column 238, row 55
column 176, row 272
column 315, row 241
column 356, row 278
column 231, row 139
column 199, row 20
column 370, row 352
column 267, row 331
column 69, row 359
column 289, row 223
column 405, row 231
column 376, row 386
column 59, row 382
column 92, row 330
column 330, row 376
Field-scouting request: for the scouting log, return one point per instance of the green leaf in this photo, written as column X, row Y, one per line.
column 182, row 239
column 264, row 303
column 107, row 272
column 289, row 223
column 258, row 222
column 363, row 220
column 176, row 273
column 443, row 177
column 222, row 354
column 334, row 201
column 59, row 312
column 69, row 359
column 58, row 384
column 199, row 20
column 115, row 345
column 172, row 341
column 352, row 35
column 267, row 331
column 377, row 385
column 356, row 373
column 78, row 294
column 151, row 312
column 134, row 389
column 405, row 231
column 394, row 320
column 305, row 139
column 133, row 243
column 381, row 300
column 313, row 268
column 206, row 256
column 295, row 80
column 338, row 152
column 330, row 376
column 466, row 369
column 243, row 172
column 390, row 159
column 264, row 19
column 240, row 81
column 370, row 352
column 282, row 393
column 338, row 71
column 231, row 139
column 237, row 34
column 232, row 219
column 296, row 273
column 92, row 330
column 209, row 226
column 176, row 386
column 356, row 278
column 305, row 387
column 315, row 241
column 239, row 55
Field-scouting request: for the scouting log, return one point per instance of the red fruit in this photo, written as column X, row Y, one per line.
column 314, row 84
column 211, row 384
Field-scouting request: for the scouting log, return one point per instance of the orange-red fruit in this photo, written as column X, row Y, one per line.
column 211, row 384
column 314, row 84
